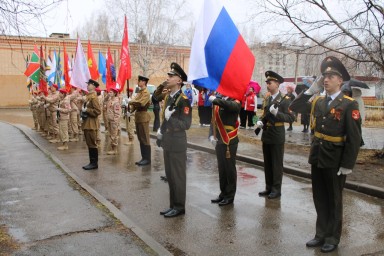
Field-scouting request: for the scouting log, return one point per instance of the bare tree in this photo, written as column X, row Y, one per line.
column 98, row 29
column 154, row 25
column 353, row 29
column 19, row 17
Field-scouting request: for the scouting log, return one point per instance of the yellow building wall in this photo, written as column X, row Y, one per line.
column 14, row 50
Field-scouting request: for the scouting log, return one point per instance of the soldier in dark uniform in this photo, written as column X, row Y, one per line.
column 177, row 118
column 272, row 121
column 223, row 135
column 337, row 137
column 90, row 113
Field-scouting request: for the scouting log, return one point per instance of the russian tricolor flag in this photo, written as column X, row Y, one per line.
column 220, row 58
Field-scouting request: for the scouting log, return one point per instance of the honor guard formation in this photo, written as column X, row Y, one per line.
column 332, row 117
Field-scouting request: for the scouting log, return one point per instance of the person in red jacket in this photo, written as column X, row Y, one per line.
column 250, row 106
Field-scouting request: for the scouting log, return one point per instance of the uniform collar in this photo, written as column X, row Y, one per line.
column 333, row 96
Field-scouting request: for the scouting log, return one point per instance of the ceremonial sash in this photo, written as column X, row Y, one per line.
column 225, row 136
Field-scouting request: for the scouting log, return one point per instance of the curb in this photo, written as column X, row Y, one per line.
column 148, row 240
column 358, row 187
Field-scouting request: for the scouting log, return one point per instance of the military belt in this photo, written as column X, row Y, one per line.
column 329, row 138
column 173, row 130
column 229, row 127
column 275, row 124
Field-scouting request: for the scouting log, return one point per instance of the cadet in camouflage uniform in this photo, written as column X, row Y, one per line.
column 73, row 116
column 64, row 111
column 52, row 103
column 113, row 116
column 33, row 102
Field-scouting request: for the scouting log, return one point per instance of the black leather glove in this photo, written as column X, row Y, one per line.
column 158, row 143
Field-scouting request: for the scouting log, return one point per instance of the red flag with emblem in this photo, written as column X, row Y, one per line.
column 92, row 63
column 125, row 62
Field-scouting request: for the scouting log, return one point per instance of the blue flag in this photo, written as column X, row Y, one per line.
column 59, row 72
column 102, row 68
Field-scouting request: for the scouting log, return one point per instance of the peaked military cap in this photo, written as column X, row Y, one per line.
column 143, row 78
column 270, row 75
column 332, row 65
column 178, row 71
column 93, row 82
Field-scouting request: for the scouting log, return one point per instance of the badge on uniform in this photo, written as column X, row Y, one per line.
column 186, row 110
column 356, row 114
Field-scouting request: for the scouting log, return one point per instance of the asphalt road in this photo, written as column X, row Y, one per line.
column 252, row 226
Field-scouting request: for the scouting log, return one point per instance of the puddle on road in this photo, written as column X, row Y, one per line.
column 18, row 234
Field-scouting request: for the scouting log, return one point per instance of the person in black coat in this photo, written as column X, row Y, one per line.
column 223, row 135
column 337, row 138
column 172, row 137
column 275, row 113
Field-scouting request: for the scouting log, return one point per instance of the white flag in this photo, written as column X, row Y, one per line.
column 80, row 71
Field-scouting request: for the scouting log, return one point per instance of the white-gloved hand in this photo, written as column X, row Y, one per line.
column 213, row 140
column 58, row 109
column 259, row 124
column 344, row 171
column 316, row 87
column 46, row 105
column 168, row 113
column 159, row 135
column 273, row 110
column 128, row 114
column 84, row 109
column 211, row 98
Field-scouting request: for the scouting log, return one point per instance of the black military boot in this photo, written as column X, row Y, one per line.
column 142, row 150
column 90, row 157
column 94, row 157
column 146, row 156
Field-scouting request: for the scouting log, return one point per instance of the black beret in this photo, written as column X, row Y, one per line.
column 178, row 71
column 91, row 81
column 270, row 75
column 332, row 65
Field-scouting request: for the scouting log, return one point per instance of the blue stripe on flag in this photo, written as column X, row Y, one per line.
column 219, row 46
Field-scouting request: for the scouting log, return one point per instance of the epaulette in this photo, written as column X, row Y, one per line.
column 185, row 97
column 349, row 98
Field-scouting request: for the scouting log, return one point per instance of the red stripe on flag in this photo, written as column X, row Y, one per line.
column 238, row 71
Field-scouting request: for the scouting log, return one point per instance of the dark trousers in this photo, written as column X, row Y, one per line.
column 250, row 115
column 90, row 138
column 208, row 114
column 327, row 189
column 156, row 122
column 227, row 170
column 175, row 169
column 273, row 166
column 243, row 117
column 200, row 110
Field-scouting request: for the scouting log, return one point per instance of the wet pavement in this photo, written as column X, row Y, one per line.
column 46, row 214
column 251, row 226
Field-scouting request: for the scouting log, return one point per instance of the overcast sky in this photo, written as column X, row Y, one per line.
column 73, row 13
